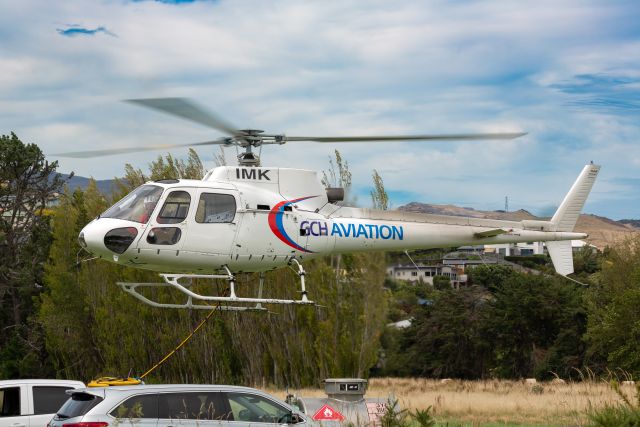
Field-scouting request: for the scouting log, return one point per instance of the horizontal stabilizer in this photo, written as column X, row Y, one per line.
column 489, row 233
column 561, row 255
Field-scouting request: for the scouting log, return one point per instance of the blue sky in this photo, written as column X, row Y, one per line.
column 566, row 72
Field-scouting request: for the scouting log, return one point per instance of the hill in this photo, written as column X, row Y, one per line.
column 602, row 231
column 105, row 186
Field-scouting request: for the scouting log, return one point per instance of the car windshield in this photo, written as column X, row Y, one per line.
column 136, row 206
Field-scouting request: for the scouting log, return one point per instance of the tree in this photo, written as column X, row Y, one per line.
column 506, row 324
column 441, row 283
column 449, row 336
column 613, row 331
column 166, row 167
column 379, row 196
column 338, row 175
column 106, row 332
column 535, row 323
column 27, row 183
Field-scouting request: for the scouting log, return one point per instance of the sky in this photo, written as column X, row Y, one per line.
column 565, row 72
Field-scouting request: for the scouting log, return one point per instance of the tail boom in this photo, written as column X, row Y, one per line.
column 364, row 229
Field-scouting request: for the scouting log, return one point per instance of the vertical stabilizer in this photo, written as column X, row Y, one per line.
column 566, row 217
column 567, row 214
column 561, row 256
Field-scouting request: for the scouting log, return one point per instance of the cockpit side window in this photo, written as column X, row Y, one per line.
column 175, row 208
column 136, row 206
column 216, row 208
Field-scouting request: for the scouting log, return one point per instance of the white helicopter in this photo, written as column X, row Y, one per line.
column 248, row 218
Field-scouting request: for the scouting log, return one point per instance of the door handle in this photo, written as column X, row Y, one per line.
column 17, row 425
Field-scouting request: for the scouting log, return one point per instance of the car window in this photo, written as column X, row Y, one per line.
column 9, row 402
column 48, row 399
column 79, row 404
column 175, row 208
column 141, row 406
column 215, row 208
column 192, row 405
column 255, row 408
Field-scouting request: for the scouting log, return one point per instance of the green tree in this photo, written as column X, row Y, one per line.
column 536, row 324
column 167, row 167
column 506, row 324
column 441, row 283
column 586, row 260
column 613, row 330
column 27, row 183
column 448, row 336
column 379, row 196
column 106, row 332
column 338, row 175
column 64, row 311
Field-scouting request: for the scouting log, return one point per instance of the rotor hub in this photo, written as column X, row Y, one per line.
column 248, row 158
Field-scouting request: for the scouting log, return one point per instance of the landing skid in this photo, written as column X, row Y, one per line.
column 199, row 301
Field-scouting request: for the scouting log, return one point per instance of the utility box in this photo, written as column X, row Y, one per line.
column 348, row 389
column 345, row 403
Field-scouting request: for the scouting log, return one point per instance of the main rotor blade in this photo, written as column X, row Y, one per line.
column 187, row 109
column 114, row 151
column 452, row 137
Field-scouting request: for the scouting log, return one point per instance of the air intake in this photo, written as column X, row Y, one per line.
column 335, row 194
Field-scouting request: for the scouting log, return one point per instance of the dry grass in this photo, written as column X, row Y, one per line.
column 495, row 402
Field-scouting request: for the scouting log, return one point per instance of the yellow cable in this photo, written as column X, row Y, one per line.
column 184, row 341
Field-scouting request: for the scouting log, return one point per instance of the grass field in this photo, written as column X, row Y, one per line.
column 493, row 402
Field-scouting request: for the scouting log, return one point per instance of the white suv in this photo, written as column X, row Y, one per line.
column 32, row 403
column 173, row 406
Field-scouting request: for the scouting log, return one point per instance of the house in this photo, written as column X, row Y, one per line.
column 516, row 249
column 423, row 273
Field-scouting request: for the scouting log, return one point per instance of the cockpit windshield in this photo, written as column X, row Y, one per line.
column 137, row 206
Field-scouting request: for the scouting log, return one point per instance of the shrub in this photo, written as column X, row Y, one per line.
column 625, row 413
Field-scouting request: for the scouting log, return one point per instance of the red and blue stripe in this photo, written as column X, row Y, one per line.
column 277, row 227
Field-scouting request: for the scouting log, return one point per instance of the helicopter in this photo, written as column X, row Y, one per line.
column 250, row 218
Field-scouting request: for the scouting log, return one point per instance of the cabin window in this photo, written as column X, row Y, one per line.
column 164, row 235
column 216, row 208
column 137, row 206
column 175, row 208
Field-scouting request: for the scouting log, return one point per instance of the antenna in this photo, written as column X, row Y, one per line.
column 506, row 203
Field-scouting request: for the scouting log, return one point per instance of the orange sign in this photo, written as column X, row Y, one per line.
column 327, row 413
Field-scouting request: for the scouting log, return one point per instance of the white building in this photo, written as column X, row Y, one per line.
column 424, row 273
column 529, row 248
column 516, row 249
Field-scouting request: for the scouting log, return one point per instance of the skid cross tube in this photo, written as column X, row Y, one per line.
column 172, row 281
